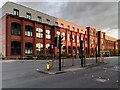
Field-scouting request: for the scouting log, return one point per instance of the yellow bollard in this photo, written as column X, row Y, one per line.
column 100, row 59
column 48, row 65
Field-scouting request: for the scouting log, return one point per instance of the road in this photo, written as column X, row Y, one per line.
column 24, row 75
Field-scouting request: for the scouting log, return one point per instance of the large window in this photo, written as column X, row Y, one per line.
column 63, row 35
column 48, row 21
column 39, row 48
column 16, row 12
column 73, row 38
column 28, row 31
column 28, row 15
column 39, row 19
column 15, row 29
column 39, row 32
column 78, row 39
column 28, row 48
column 58, row 32
column 63, row 49
column 69, row 49
column 68, row 37
column 48, row 34
column 49, row 49
column 15, row 48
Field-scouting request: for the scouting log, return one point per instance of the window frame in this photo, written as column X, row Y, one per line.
column 28, row 15
column 15, row 12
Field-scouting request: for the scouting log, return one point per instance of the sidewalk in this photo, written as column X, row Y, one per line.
column 55, row 70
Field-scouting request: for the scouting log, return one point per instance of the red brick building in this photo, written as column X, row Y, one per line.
column 29, row 33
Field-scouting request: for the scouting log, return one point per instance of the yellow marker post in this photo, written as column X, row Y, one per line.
column 48, row 65
column 100, row 59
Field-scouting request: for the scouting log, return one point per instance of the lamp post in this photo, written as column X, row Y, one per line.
column 72, row 53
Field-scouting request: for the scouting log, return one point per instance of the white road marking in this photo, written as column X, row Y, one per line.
column 101, row 80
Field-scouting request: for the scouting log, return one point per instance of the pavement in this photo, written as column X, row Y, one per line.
column 24, row 75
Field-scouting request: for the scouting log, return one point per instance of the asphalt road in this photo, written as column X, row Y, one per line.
column 24, row 75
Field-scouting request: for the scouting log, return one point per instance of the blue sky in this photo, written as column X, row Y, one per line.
column 101, row 14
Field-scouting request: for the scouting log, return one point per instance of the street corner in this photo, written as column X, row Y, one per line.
column 50, row 72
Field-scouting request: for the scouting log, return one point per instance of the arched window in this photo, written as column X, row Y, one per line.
column 39, row 48
column 63, row 35
column 15, row 29
column 15, row 47
column 74, row 49
column 28, row 48
column 69, row 49
column 28, row 31
column 49, row 49
column 63, row 49
column 48, row 34
column 39, row 32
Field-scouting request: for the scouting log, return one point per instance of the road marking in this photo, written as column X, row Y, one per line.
column 101, row 80
column 73, row 69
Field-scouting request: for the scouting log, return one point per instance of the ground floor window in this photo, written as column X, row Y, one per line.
column 28, row 48
column 49, row 49
column 69, row 49
column 39, row 48
column 63, row 49
column 15, row 47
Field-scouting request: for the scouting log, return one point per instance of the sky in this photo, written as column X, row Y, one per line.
column 101, row 14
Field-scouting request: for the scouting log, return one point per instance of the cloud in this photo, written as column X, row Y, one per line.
column 100, row 15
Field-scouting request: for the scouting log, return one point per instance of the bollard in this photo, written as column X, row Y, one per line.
column 48, row 65
column 100, row 59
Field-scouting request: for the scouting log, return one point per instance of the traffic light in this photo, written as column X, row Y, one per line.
column 55, row 41
column 61, row 42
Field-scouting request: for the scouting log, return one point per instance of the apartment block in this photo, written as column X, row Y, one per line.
column 27, row 32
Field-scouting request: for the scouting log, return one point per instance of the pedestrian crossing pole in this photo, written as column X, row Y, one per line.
column 60, row 44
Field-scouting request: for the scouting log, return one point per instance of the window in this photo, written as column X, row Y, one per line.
column 39, row 48
column 28, row 48
column 102, row 35
column 39, row 19
column 28, row 31
column 102, row 42
column 48, row 21
column 92, row 32
column 48, row 34
column 92, row 41
column 85, row 32
column 56, row 23
column 73, row 28
column 39, row 32
column 77, row 30
column 28, row 16
column 68, row 27
column 81, row 38
column 78, row 39
column 58, row 32
column 73, row 38
column 48, row 49
column 15, row 47
column 62, row 25
column 68, row 37
column 15, row 29
column 63, row 49
column 15, row 12
column 63, row 35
